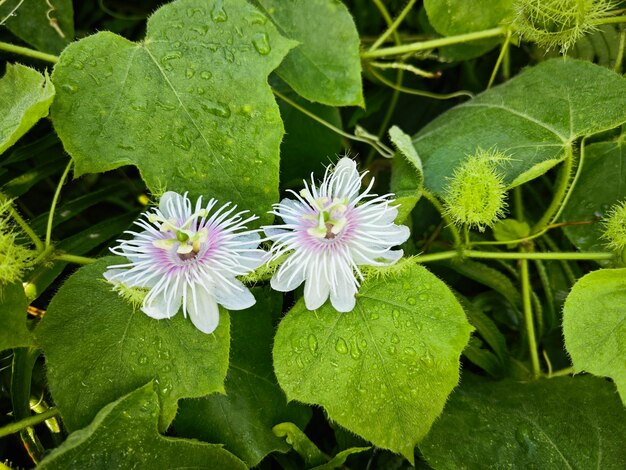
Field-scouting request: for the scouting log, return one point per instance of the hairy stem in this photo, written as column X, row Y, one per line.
column 28, row 422
column 74, row 258
column 435, row 43
column 449, row 224
column 26, row 228
column 528, row 316
column 55, row 199
column 25, row 51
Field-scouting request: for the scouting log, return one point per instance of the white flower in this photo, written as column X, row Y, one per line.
column 328, row 232
column 190, row 258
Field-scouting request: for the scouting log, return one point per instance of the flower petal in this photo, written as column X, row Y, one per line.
column 174, row 206
column 231, row 298
column 316, row 291
column 162, row 305
column 345, row 180
column 203, row 310
column 290, row 275
column 342, row 294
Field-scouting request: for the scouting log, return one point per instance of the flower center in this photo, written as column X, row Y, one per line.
column 331, row 215
column 189, row 242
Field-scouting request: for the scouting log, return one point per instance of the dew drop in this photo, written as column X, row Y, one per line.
column 261, row 43
column 79, row 65
column 218, row 14
column 392, row 350
column 341, row 347
column 523, row 436
column 70, row 87
column 299, row 362
column 256, row 17
column 312, row 343
column 411, row 301
column 427, row 358
column 206, row 75
column 424, row 296
column 374, row 316
column 189, row 73
column 410, row 351
column 396, row 315
column 216, row 108
column 395, row 339
column 229, row 56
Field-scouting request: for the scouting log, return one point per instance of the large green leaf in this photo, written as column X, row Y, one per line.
column 385, row 369
column 98, row 348
column 25, row 97
column 559, row 423
column 124, row 435
column 243, row 419
column 533, row 118
column 594, row 325
column 46, row 25
column 14, row 332
column 189, row 106
column 452, row 17
column 326, row 66
column 602, row 183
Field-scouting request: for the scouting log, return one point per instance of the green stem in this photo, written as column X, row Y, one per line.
column 528, row 317
column 26, row 228
column 324, row 123
column 514, row 255
column 392, row 29
column 560, row 193
column 538, row 255
column 435, row 43
column 53, row 206
column 609, row 20
column 5, row 46
column 74, row 258
column 620, row 52
column 449, row 224
column 503, row 51
column 28, row 422
column 518, row 203
column 562, row 372
column 412, row 91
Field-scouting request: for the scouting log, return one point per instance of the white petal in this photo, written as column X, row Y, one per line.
column 291, row 210
column 115, row 276
column 161, row 305
column 203, row 310
column 173, row 206
column 247, row 240
column 345, row 178
column 231, row 298
column 316, row 290
column 290, row 275
column 342, row 295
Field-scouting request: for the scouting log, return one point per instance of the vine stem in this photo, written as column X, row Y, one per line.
column 393, row 26
column 449, row 224
column 28, row 422
column 55, row 200
column 385, row 152
column 503, row 51
column 412, row 91
column 74, row 258
column 562, row 372
column 26, row 228
column 461, row 253
column 609, row 20
column 528, row 316
column 434, row 43
column 25, row 51
column 561, row 194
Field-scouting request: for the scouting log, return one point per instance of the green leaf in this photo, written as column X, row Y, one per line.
column 124, row 435
column 48, row 26
column 308, row 146
column 601, row 185
column 407, row 179
column 309, row 452
column 452, row 17
column 25, row 97
column 549, row 423
column 14, row 332
column 533, row 118
column 189, row 106
column 326, row 66
column 98, row 349
column 594, row 325
column 510, row 229
column 242, row 419
column 384, row 370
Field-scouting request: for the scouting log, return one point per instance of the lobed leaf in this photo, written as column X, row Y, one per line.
column 594, row 325
column 189, row 106
column 98, row 348
column 384, row 370
column 124, row 435
column 550, row 424
column 533, row 118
